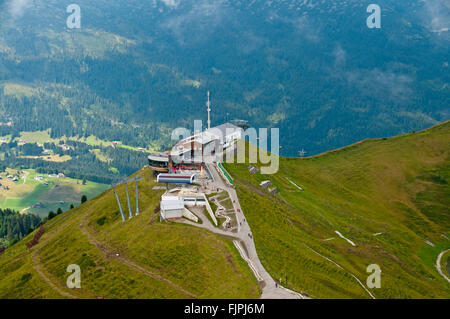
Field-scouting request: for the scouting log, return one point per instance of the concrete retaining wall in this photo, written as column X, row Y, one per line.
column 209, row 209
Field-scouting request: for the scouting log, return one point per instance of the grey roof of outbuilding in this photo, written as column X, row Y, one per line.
column 224, row 128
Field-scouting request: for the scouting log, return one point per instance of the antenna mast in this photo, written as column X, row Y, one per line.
column 208, row 104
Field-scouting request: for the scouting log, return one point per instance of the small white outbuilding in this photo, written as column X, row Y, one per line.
column 171, row 207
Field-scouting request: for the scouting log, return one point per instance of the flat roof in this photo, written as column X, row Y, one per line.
column 223, row 130
column 217, row 133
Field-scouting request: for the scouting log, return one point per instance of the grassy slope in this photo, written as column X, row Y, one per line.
column 397, row 186
column 195, row 261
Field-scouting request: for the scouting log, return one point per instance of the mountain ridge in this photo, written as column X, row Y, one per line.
column 389, row 216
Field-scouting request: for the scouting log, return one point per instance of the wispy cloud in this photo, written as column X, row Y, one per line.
column 171, row 3
column 437, row 15
column 393, row 83
column 381, row 83
column 196, row 22
column 340, row 56
column 250, row 42
column 306, row 28
column 16, row 8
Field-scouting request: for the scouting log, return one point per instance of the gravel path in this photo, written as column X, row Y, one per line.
column 438, row 264
column 270, row 289
column 37, row 267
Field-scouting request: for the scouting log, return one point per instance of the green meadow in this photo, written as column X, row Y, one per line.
column 60, row 192
column 389, row 197
column 42, row 137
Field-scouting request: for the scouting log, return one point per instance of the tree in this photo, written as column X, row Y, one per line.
column 71, row 206
column 83, row 199
column 13, row 242
column 84, row 181
column 59, row 211
column 51, row 215
column 15, row 225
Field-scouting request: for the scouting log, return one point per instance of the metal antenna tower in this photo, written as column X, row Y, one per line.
column 208, row 104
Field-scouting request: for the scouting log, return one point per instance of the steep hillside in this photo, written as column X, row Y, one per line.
column 389, row 197
column 381, row 202
column 155, row 260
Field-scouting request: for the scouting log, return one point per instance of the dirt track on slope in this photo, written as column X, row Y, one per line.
column 37, row 267
column 110, row 254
